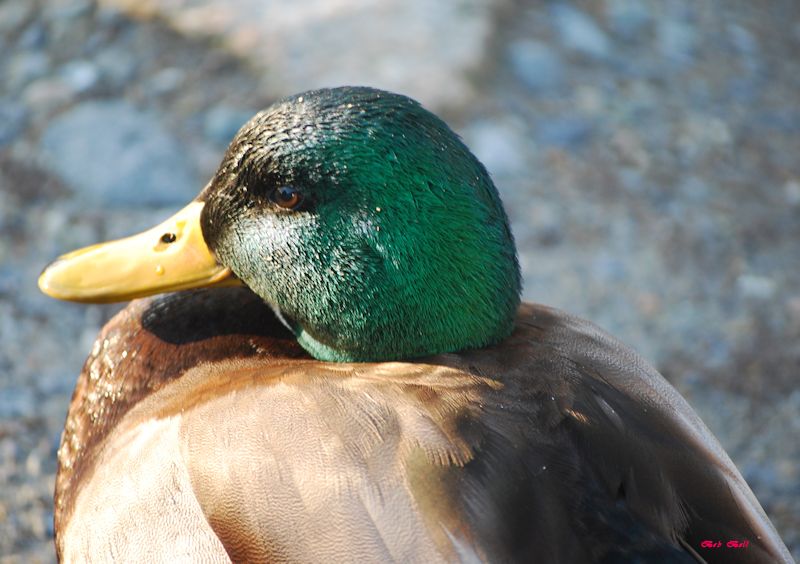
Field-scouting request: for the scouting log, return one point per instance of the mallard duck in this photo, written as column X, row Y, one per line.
column 348, row 375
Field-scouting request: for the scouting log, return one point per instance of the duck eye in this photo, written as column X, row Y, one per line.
column 287, row 197
column 168, row 238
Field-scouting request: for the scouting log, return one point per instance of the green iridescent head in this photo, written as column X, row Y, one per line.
column 368, row 224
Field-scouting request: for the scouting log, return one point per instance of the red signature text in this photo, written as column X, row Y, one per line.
column 728, row 544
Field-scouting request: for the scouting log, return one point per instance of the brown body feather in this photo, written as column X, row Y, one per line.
column 199, row 428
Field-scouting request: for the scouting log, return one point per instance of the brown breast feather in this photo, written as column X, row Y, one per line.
column 560, row 444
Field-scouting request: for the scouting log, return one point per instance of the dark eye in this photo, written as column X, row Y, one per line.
column 287, row 197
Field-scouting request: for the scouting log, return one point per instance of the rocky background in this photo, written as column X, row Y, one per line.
column 648, row 152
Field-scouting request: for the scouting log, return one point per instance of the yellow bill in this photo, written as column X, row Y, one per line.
column 171, row 256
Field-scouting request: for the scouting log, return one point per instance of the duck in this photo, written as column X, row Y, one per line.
column 326, row 359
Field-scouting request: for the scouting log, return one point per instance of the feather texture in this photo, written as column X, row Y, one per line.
column 217, row 438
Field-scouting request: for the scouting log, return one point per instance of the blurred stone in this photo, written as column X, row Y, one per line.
column 13, row 119
column 744, row 89
column 545, row 222
column 34, row 36
column 26, row 67
column 66, row 9
column 400, row 45
column 565, row 132
column 791, row 190
column 694, row 191
column 498, row 146
column 793, row 309
column 676, row 41
column 68, row 29
column 33, row 464
column 759, row 475
column 757, row 287
column 627, row 18
column 536, row 64
column 14, row 14
column 743, row 41
column 117, row 67
column 648, row 304
column 9, row 448
column 781, row 120
column 47, row 94
column 114, row 154
column 16, row 402
column 579, row 32
column 110, row 17
column 68, row 24
column 632, row 180
column 9, row 279
column 80, row 75
column 166, row 80
column 221, row 123
column 700, row 134
column 608, row 268
column 590, row 100
column 631, row 149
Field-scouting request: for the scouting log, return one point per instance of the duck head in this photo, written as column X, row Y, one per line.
column 359, row 216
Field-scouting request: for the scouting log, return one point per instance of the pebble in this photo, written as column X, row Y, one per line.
column 114, row 154
column 744, row 89
column 116, row 66
column 608, row 268
column 631, row 149
column 14, row 14
column 785, row 120
column 628, row 19
column 401, row 45
column 676, row 41
column 46, row 95
column 565, row 132
column 16, row 402
column 166, row 80
column 26, row 67
column 80, row 75
column 13, row 119
column 498, row 146
column 694, row 191
column 33, row 464
column 221, row 123
column 700, row 134
column 579, row 32
column 9, row 278
column 546, row 224
column 756, row 287
column 743, row 41
column 34, row 36
column 791, row 190
column 66, row 9
column 632, row 180
column 68, row 31
column 9, row 451
column 536, row 64
column 590, row 100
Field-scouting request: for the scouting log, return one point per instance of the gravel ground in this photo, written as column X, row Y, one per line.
column 646, row 151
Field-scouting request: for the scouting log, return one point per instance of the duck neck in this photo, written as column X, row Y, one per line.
column 395, row 318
